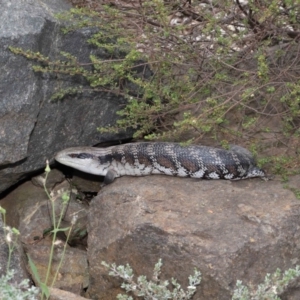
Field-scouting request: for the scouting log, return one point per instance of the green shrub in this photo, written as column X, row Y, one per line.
column 225, row 64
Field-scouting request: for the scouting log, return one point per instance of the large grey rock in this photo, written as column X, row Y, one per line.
column 227, row 230
column 32, row 127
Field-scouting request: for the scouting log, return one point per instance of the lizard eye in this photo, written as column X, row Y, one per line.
column 81, row 155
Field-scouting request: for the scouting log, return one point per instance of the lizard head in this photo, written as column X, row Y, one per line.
column 85, row 159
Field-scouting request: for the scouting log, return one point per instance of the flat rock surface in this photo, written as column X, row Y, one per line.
column 228, row 230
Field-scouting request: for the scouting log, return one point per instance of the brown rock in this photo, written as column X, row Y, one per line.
column 57, row 294
column 228, row 230
column 29, row 210
column 73, row 273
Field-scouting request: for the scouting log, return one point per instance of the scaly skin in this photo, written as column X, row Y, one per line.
column 139, row 159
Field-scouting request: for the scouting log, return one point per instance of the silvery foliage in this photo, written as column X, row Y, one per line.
column 273, row 286
column 152, row 289
column 10, row 290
